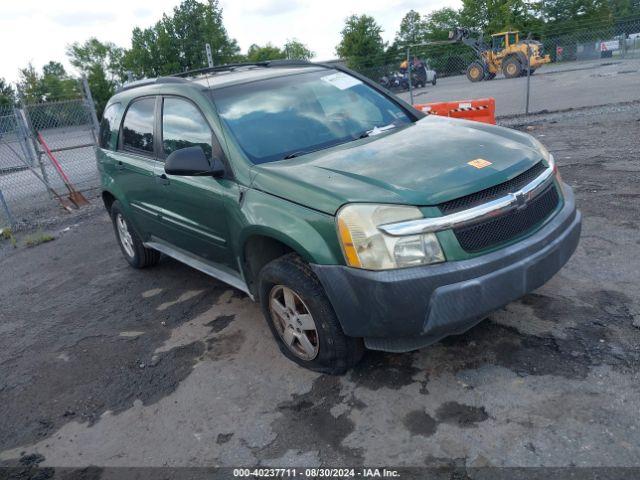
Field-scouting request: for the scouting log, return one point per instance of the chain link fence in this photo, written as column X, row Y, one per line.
column 30, row 183
column 591, row 63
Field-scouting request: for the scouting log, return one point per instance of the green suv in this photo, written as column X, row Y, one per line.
column 355, row 220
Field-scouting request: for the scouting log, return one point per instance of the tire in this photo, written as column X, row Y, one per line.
column 328, row 350
column 131, row 246
column 512, row 68
column 475, row 72
column 434, row 81
column 524, row 71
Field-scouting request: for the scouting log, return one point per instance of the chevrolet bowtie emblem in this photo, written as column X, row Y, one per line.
column 479, row 163
column 521, row 200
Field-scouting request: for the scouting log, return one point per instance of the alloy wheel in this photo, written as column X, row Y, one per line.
column 294, row 322
column 125, row 236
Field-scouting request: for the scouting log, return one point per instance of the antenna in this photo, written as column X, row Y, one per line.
column 209, row 56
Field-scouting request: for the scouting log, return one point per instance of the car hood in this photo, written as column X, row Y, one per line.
column 421, row 164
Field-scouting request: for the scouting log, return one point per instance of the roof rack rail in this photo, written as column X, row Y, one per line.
column 180, row 77
column 233, row 66
column 150, row 81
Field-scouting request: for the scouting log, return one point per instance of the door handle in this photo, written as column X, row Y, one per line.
column 164, row 180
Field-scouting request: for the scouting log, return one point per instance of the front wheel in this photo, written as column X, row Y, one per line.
column 302, row 319
column 475, row 72
column 435, row 79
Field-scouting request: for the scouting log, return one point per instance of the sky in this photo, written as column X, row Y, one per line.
column 39, row 31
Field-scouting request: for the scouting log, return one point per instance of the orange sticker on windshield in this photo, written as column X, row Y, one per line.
column 479, row 163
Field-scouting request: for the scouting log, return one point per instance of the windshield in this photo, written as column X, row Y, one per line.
column 292, row 115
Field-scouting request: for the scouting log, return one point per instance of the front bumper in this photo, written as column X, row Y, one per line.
column 405, row 309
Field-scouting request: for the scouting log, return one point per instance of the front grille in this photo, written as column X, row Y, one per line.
column 501, row 229
column 491, row 193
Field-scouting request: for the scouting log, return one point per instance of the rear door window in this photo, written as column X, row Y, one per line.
column 137, row 127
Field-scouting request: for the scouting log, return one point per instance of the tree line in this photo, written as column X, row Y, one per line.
column 176, row 42
column 362, row 45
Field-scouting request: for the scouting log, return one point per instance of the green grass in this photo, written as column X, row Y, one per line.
column 7, row 234
column 38, row 239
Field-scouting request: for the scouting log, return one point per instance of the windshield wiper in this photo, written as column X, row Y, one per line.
column 367, row 133
column 295, row 154
column 377, row 130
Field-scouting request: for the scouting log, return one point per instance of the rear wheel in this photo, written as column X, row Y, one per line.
column 435, row 79
column 131, row 246
column 512, row 68
column 302, row 319
column 475, row 72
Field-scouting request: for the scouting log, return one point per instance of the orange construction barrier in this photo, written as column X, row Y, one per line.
column 481, row 110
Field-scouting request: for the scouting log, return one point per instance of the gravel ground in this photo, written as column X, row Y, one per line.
column 104, row 365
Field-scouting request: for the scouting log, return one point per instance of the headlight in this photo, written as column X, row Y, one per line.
column 547, row 157
column 537, row 144
column 365, row 246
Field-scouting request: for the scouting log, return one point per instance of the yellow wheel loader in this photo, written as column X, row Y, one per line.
column 506, row 54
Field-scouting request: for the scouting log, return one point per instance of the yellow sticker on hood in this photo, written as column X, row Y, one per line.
column 479, row 163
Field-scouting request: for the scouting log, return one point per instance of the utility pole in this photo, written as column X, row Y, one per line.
column 409, row 65
column 409, row 75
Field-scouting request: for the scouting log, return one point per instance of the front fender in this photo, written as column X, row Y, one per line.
column 310, row 233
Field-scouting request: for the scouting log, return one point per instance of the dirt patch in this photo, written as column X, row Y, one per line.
column 308, row 425
column 463, row 416
column 33, row 459
column 383, row 370
column 419, row 422
column 223, row 438
column 220, row 323
column 224, row 345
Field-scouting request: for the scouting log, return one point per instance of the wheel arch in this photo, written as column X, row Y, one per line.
column 107, row 199
column 110, row 196
column 519, row 56
column 262, row 245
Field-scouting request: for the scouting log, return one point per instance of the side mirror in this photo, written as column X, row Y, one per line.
column 193, row 162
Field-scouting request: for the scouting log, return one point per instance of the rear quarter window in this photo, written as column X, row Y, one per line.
column 108, row 135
